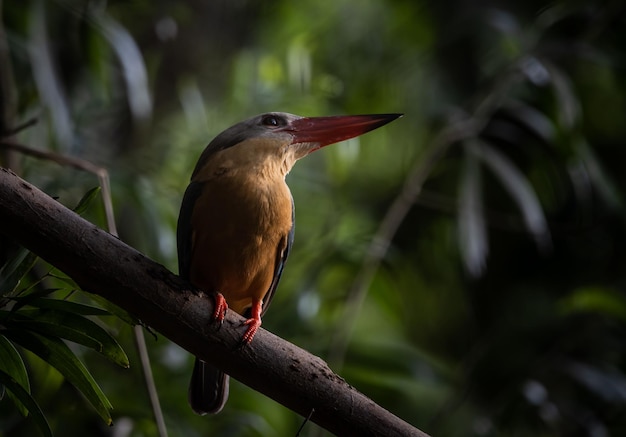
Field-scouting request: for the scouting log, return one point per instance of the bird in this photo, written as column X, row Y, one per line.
column 236, row 223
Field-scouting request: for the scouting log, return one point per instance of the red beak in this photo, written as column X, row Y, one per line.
column 329, row 130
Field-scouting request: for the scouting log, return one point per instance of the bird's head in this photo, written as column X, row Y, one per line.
column 284, row 138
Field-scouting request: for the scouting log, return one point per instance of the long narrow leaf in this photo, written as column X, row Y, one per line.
column 58, row 355
column 11, row 363
column 27, row 401
column 66, row 305
column 471, row 222
column 115, row 310
column 13, row 272
column 568, row 103
column 86, row 200
column 72, row 327
column 520, row 190
column 132, row 65
column 26, row 298
column 533, row 119
column 54, row 273
column 600, row 179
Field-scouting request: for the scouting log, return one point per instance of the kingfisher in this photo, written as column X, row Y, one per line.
column 236, row 222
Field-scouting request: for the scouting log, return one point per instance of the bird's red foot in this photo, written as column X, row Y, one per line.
column 254, row 322
column 253, row 327
column 220, row 308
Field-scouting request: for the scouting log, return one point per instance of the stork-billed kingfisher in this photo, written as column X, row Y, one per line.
column 236, row 222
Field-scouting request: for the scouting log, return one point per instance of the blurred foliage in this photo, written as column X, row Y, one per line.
column 499, row 307
column 37, row 317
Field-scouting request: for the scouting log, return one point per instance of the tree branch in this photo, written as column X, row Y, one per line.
column 104, row 265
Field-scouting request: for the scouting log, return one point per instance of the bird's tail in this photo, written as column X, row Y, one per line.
column 208, row 389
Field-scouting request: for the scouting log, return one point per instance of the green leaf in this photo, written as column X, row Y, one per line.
column 26, row 298
column 84, row 203
column 520, row 190
column 601, row 179
column 64, row 278
column 115, row 310
column 595, row 300
column 131, row 62
column 568, row 103
column 471, row 221
column 14, row 270
column 56, row 353
column 72, row 327
column 11, row 364
column 68, row 306
column 27, row 401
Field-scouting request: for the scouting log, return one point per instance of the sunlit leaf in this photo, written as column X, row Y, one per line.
column 598, row 300
column 62, row 277
column 11, row 364
column 27, row 401
column 57, row 354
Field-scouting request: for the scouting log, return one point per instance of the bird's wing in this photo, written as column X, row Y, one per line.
column 184, row 232
column 281, row 258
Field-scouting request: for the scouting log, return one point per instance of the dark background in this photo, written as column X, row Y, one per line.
column 499, row 308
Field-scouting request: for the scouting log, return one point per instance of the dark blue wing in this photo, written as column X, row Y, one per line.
column 208, row 389
column 184, row 230
column 281, row 258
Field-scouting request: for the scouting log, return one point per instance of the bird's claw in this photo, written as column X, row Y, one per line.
column 219, row 313
column 253, row 326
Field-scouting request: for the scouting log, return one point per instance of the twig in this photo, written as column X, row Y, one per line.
column 101, row 173
column 304, row 422
column 103, row 177
column 388, row 227
column 454, row 132
column 140, row 342
column 20, row 127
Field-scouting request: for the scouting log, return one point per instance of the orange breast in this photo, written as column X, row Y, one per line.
column 239, row 229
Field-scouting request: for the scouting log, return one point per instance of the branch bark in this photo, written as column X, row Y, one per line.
column 102, row 264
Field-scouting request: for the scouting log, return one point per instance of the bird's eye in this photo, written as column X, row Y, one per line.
column 272, row 121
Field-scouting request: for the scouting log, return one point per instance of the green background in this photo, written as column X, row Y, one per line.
column 499, row 308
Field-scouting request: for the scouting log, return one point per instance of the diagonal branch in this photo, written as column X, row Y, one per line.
column 103, row 177
column 102, row 264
